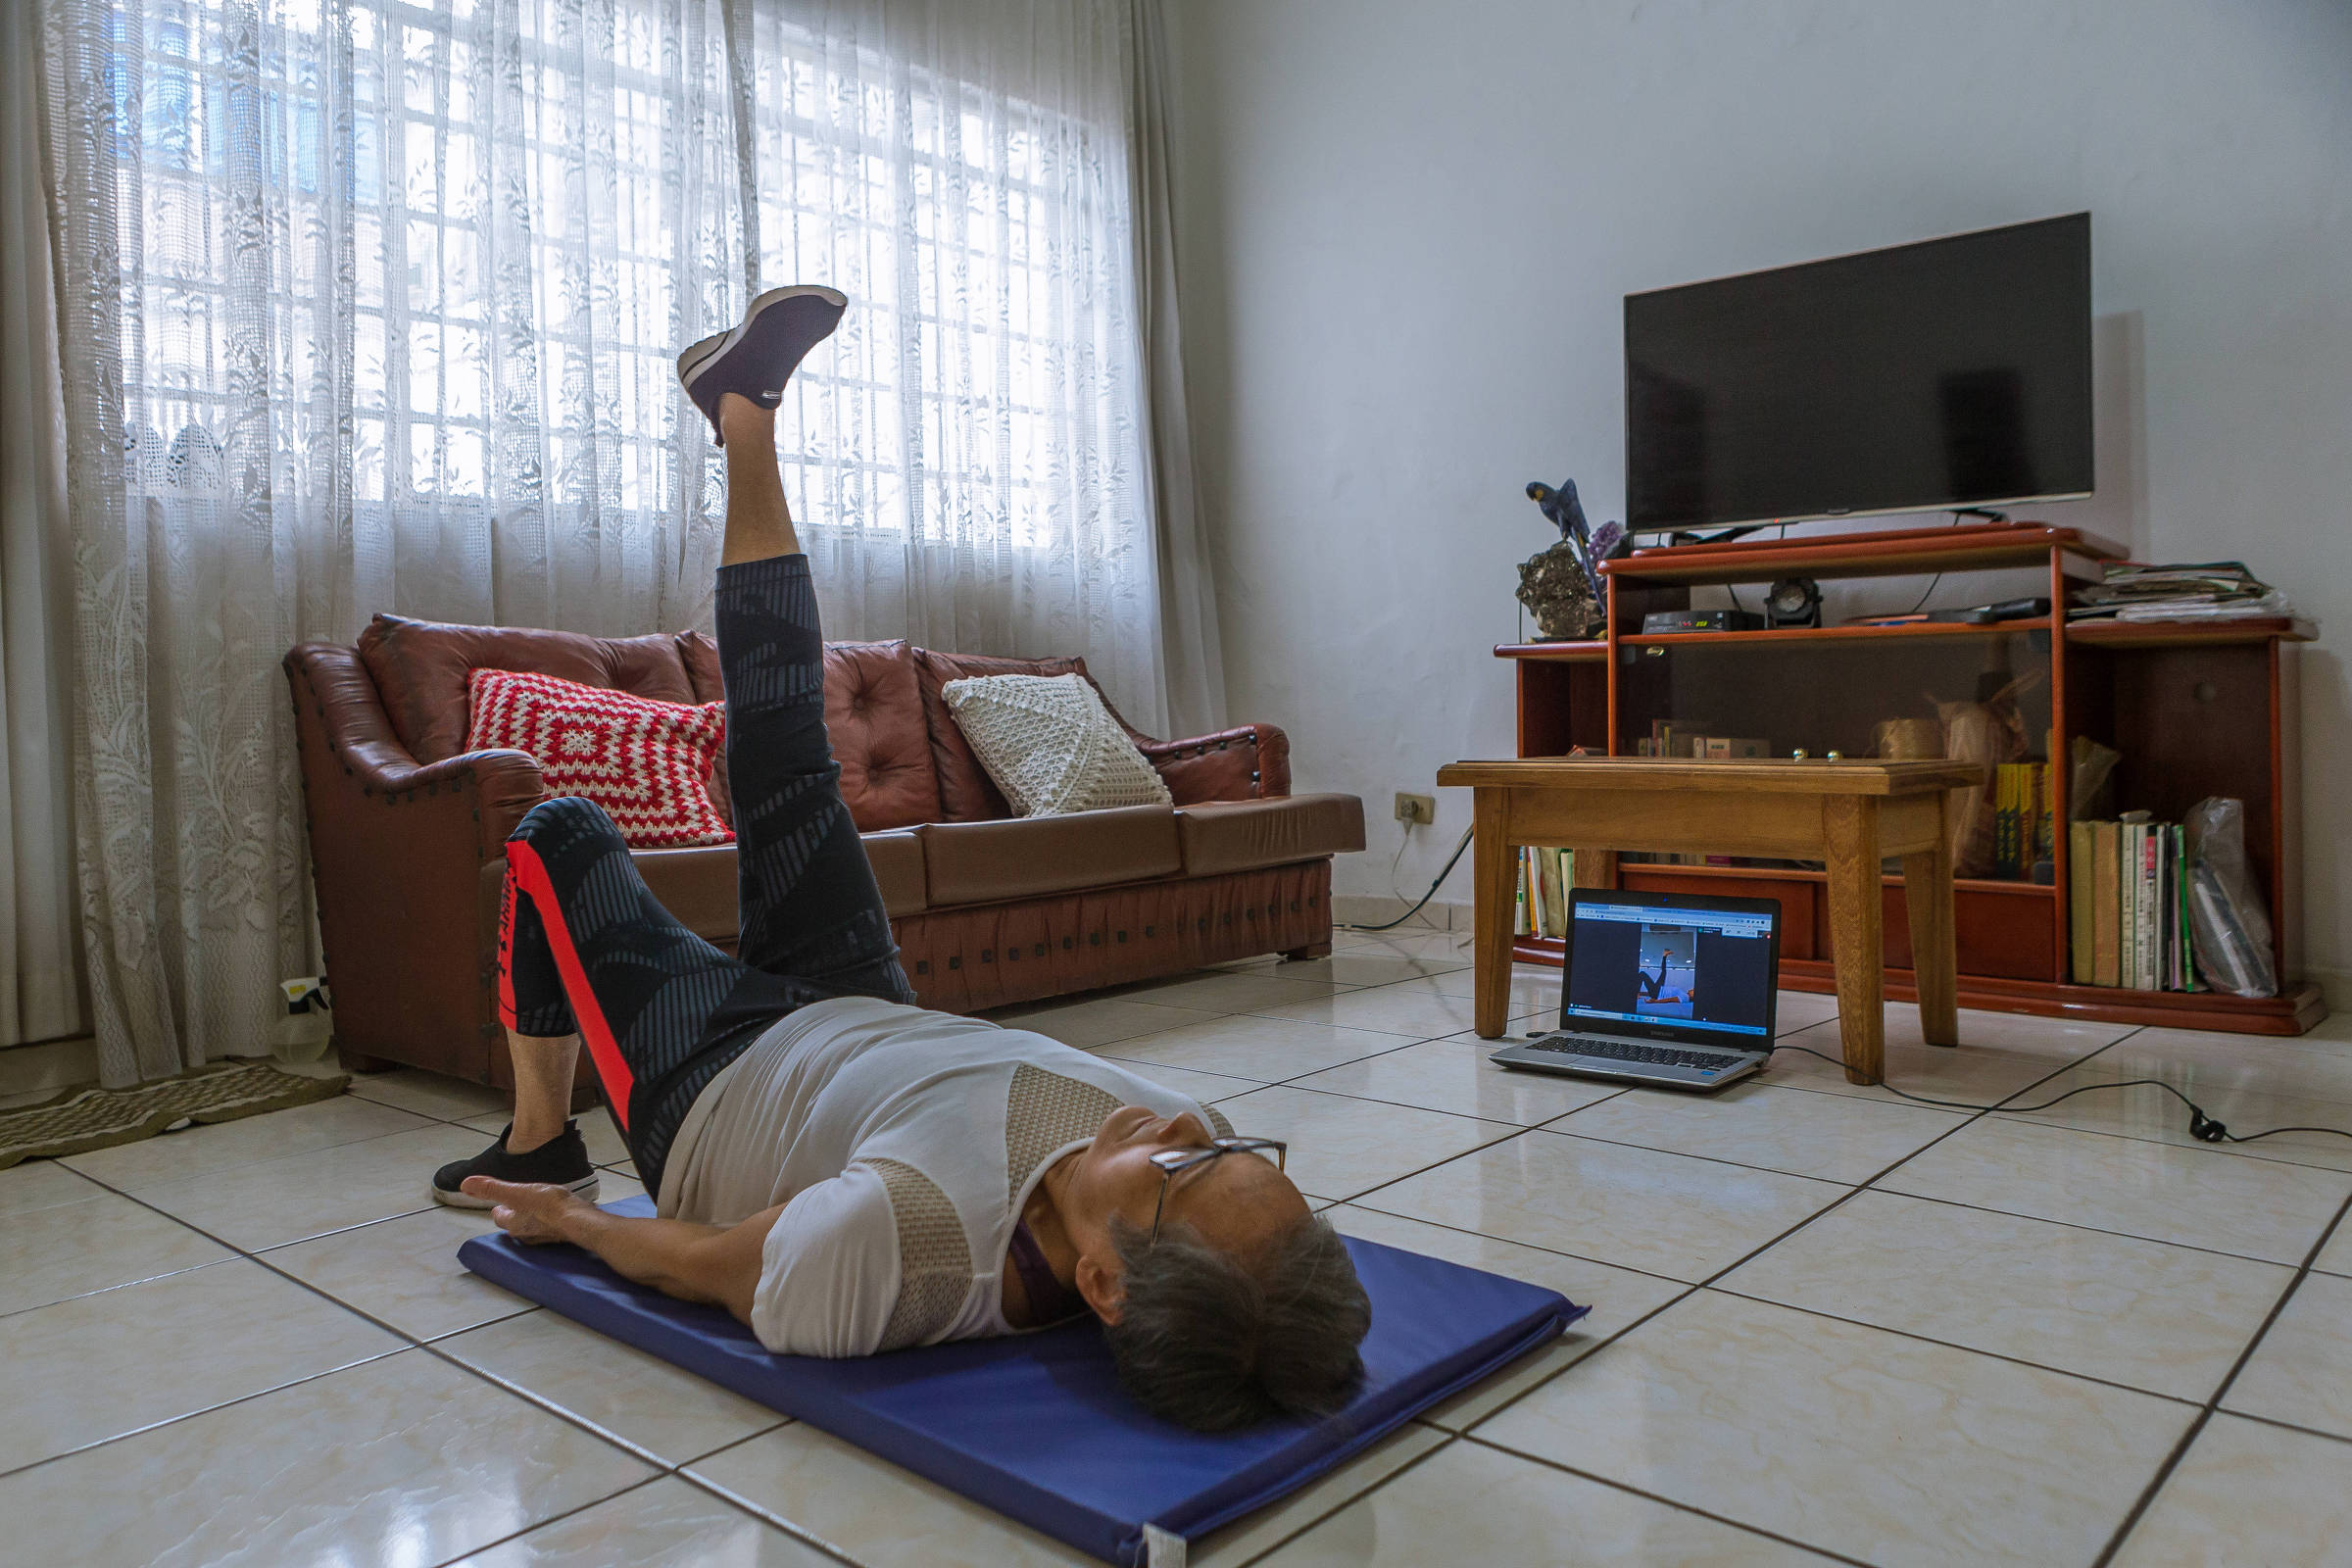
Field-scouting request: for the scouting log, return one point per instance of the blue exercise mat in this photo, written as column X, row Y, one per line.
column 1035, row 1425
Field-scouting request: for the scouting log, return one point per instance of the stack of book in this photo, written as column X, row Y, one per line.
column 1544, row 877
column 2214, row 590
column 2025, row 821
column 2129, row 906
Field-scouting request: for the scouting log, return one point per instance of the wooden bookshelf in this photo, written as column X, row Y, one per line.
column 2196, row 708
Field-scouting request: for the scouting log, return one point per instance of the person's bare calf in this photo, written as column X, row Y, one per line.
column 759, row 519
column 543, row 1078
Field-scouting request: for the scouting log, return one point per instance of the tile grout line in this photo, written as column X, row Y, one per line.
column 2094, row 1230
column 1952, row 1344
column 791, row 1527
column 1831, row 1554
column 119, row 1285
column 1533, row 1247
column 2297, row 1428
column 1446, row 1441
column 553, row 1518
column 2204, row 1416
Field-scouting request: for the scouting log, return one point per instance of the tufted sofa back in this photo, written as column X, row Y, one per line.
column 902, row 760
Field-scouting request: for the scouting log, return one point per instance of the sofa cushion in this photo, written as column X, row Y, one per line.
column 981, row 862
column 1220, row 836
column 421, row 669
column 1051, row 744
column 646, row 763
column 696, row 885
column 898, row 870
column 874, row 713
column 966, row 794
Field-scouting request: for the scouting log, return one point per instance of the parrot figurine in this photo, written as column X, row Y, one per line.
column 1591, row 546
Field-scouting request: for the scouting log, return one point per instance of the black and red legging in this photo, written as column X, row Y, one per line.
column 585, row 948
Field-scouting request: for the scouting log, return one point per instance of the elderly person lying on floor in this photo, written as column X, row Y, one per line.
column 842, row 1170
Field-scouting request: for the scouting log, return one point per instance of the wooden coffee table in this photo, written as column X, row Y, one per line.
column 1849, row 815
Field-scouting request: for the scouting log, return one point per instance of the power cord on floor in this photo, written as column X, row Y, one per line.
column 1450, row 862
column 2202, row 1126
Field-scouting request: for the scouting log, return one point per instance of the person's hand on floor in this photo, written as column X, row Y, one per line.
column 528, row 1211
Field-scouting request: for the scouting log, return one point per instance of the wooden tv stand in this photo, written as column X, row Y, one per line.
column 2196, row 708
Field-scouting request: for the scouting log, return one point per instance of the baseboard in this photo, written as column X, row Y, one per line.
column 30, row 1073
column 1438, row 914
column 2335, row 984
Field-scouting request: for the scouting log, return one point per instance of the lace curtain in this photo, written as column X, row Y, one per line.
column 371, row 304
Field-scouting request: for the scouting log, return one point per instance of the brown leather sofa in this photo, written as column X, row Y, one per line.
column 408, row 830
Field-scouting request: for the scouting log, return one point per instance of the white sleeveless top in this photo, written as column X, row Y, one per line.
column 902, row 1143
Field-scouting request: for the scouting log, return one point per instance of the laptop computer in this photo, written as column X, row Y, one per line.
column 1674, row 990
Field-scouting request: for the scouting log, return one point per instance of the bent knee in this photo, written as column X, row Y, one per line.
column 564, row 821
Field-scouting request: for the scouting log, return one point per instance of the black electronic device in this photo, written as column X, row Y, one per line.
column 1672, row 620
column 1792, row 601
column 1993, row 615
column 1950, row 373
column 1669, row 989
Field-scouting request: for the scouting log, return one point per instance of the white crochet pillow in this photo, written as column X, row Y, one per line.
column 1051, row 745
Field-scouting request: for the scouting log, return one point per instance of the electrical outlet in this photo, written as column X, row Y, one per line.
column 1422, row 808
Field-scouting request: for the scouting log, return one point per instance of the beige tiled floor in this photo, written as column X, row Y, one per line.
column 1826, row 1324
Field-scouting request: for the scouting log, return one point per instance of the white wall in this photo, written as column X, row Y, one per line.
column 1405, row 230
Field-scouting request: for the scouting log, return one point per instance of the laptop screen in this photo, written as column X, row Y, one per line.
column 1700, row 973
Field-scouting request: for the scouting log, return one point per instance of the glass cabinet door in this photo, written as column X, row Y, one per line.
column 1976, row 695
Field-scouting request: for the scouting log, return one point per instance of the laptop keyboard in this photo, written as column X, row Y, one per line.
column 1626, row 1051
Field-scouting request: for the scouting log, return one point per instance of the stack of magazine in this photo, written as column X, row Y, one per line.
column 2214, row 590
column 2128, row 904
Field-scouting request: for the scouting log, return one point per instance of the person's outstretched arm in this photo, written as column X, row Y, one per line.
column 718, row 1264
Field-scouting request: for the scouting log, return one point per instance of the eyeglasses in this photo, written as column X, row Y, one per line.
column 1172, row 1161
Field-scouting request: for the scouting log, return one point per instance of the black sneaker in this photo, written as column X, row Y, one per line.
column 562, row 1160
column 758, row 355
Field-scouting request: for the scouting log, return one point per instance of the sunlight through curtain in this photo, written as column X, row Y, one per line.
column 371, row 304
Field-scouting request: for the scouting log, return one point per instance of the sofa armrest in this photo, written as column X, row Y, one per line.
column 489, row 791
column 1248, row 763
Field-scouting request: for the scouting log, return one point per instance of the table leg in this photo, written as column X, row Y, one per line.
column 1857, row 922
column 1935, row 953
column 1494, row 909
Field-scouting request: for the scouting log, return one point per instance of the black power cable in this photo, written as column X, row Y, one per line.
column 2202, row 1125
column 1450, row 863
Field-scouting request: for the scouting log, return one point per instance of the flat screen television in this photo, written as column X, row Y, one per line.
column 1955, row 373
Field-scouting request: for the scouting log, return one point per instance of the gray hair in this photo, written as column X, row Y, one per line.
column 1211, row 1343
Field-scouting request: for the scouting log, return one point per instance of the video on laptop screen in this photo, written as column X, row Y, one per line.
column 1691, row 968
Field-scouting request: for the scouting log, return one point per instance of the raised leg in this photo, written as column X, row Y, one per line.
column 1935, row 955
column 808, row 905
column 1313, row 949
column 1857, row 922
column 1491, row 855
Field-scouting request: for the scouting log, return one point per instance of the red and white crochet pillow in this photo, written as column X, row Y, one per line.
column 648, row 764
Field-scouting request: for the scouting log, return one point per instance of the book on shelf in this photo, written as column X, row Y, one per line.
column 1546, row 875
column 2127, row 906
column 2024, row 818
column 2081, row 943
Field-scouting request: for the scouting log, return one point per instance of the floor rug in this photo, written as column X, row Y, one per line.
column 83, row 1119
